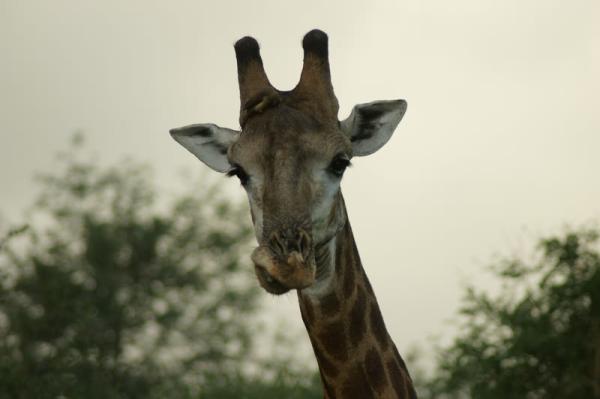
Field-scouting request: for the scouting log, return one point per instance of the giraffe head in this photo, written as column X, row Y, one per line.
column 290, row 156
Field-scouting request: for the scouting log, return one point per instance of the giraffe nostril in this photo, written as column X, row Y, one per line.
column 304, row 244
column 277, row 244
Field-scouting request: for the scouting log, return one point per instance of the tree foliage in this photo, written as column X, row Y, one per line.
column 110, row 293
column 539, row 337
column 284, row 384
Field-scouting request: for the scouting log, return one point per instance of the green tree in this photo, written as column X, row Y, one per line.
column 112, row 294
column 282, row 384
column 539, row 337
column 272, row 376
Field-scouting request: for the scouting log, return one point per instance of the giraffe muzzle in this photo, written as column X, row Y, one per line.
column 282, row 265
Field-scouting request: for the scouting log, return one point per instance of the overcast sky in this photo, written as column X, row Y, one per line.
column 500, row 143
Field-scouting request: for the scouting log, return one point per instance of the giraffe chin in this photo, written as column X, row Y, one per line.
column 279, row 276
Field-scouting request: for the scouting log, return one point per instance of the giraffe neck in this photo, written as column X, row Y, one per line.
column 356, row 356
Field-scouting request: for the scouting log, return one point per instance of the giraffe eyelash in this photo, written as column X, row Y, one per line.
column 237, row 170
column 339, row 165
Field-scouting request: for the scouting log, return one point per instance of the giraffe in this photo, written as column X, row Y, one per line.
column 290, row 156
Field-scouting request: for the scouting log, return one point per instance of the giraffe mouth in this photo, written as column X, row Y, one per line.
column 278, row 276
column 269, row 283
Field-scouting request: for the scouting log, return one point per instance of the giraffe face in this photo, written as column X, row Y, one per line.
column 291, row 166
column 290, row 157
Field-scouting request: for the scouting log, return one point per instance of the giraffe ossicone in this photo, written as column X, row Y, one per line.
column 290, row 156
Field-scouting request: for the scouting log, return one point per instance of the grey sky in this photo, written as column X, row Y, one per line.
column 499, row 144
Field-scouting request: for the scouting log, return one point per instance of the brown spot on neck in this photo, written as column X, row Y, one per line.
column 375, row 371
column 330, row 305
column 358, row 326
column 331, row 340
column 353, row 386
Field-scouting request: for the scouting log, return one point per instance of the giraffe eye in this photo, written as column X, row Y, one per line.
column 339, row 165
column 237, row 170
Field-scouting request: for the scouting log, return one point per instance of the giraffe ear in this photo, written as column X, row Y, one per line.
column 371, row 125
column 208, row 142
